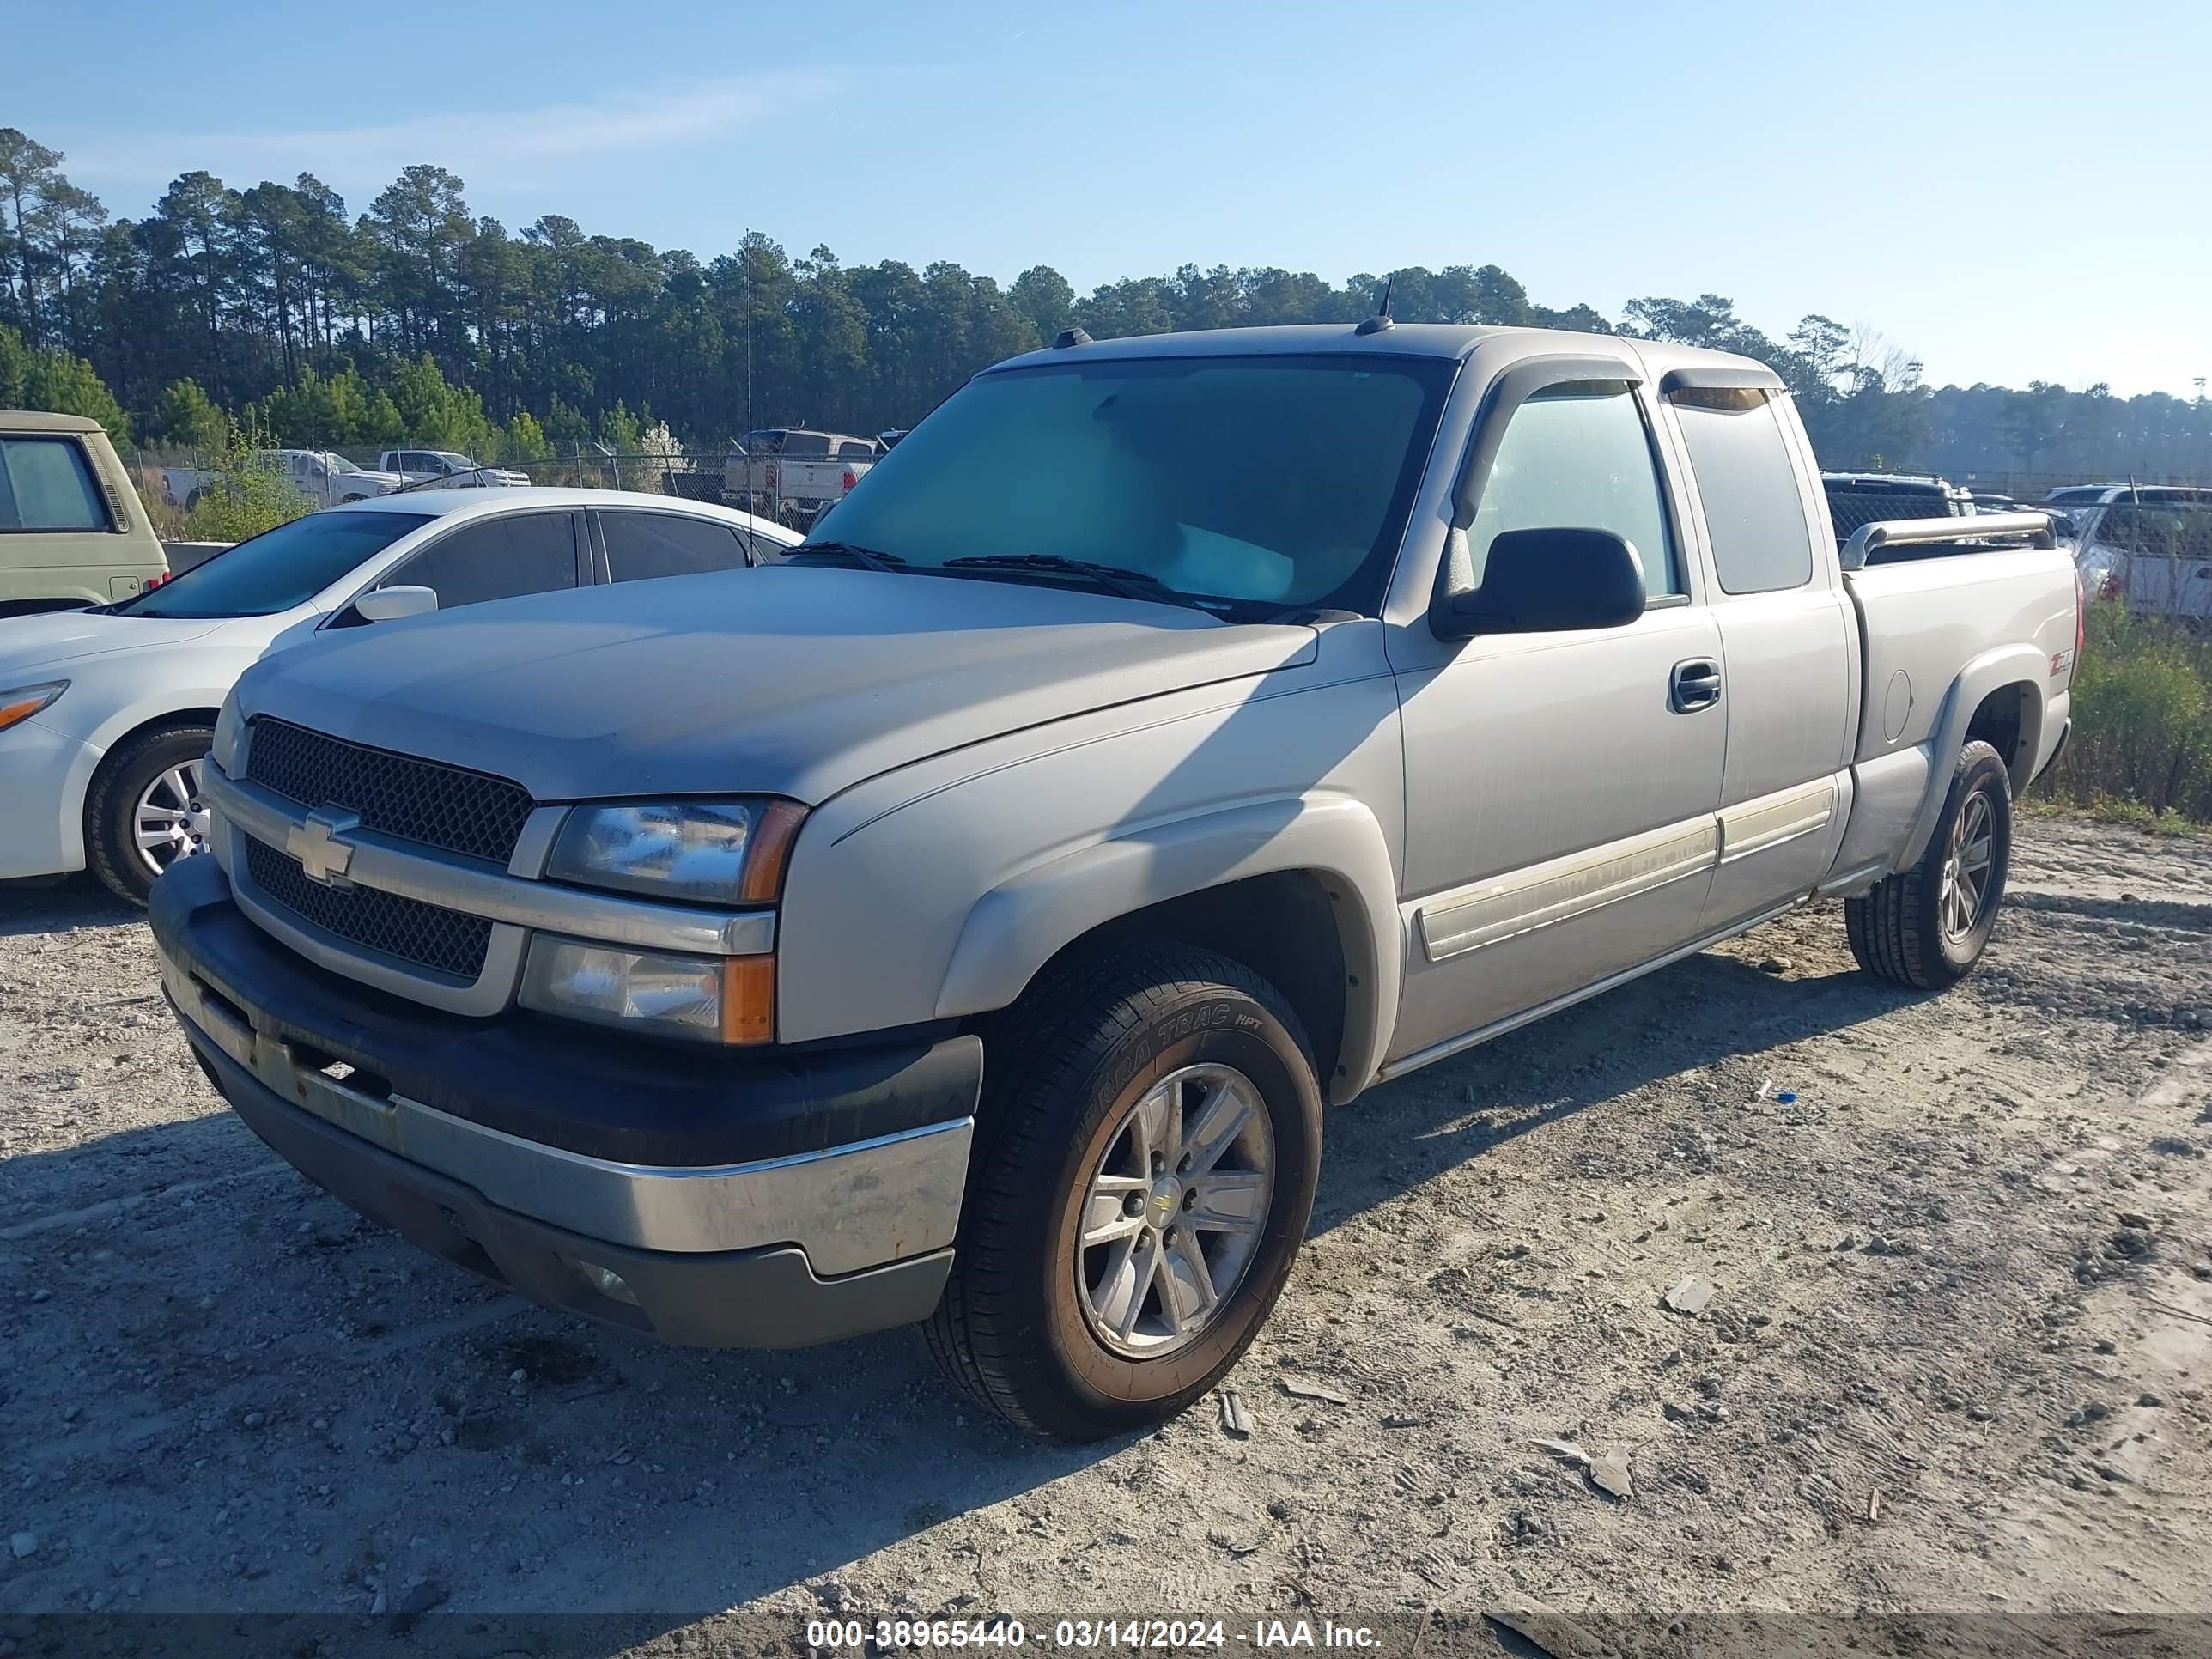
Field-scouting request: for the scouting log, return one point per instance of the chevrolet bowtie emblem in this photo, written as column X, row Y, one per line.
column 323, row 857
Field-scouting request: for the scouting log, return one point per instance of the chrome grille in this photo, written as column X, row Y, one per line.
column 471, row 813
column 425, row 935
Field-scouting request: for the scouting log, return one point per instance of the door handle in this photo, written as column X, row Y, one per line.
column 1693, row 685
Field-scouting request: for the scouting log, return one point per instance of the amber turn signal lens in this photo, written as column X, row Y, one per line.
column 18, row 705
column 748, row 1000
column 771, row 847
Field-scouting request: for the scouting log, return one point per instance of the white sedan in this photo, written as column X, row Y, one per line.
column 106, row 714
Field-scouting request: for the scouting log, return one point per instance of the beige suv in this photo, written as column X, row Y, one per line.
column 72, row 530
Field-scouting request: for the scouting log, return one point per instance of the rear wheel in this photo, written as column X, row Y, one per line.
column 144, row 811
column 1144, row 1172
column 1927, row 927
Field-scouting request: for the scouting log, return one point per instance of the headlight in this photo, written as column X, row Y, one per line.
column 707, row 999
column 229, row 726
column 705, row 852
column 18, row 704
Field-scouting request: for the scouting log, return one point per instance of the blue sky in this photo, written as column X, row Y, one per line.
column 2008, row 191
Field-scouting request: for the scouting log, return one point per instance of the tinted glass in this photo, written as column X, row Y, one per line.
column 495, row 559
column 1853, row 503
column 1250, row 482
column 278, row 568
column 1577, row 456
column 856, row 451
column 1754, row 516
column 805, row 446
column 45, row 484
column 641, row 545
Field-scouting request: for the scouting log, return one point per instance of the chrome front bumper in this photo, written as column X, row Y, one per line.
column 848, row 1207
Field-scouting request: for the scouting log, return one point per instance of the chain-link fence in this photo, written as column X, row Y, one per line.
column 789, row 477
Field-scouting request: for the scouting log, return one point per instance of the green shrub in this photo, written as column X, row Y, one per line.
column 2142, row 720
column 245, row 498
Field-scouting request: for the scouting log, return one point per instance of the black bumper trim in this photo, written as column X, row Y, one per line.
column 766, row 1298
column 582, row 1089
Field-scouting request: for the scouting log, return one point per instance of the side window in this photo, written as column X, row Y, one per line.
column 1578, row 457
column 45, row 483
column 641, row 546
column 495, row 559
column 1754, row 516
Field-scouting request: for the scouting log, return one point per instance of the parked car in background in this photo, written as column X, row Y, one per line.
column 966, row 919
column 106, row 714
column 418, row 465
column 2076, row 495
column 2150, row 544
column 1988, row 501
column 793, row 473
column 323, row 476
column 72, row 530
column 1864, row 498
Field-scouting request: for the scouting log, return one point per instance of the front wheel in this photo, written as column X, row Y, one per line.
column 144, row 811
column 1927, row 927
column 1145, row 1166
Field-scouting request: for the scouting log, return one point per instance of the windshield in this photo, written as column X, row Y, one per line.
column 461, row 463
column 277, row 569
column 1237, row 484
column 340, row 464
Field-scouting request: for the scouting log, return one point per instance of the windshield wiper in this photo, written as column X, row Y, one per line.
column 1130, row 584
column 867, row 556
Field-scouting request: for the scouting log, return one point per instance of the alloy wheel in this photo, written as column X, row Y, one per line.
column 1174, row 1211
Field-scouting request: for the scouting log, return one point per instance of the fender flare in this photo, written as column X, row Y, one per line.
column 1015, row 928
column 2011, row 664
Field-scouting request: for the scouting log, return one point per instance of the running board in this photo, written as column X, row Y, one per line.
column 1392, row 1070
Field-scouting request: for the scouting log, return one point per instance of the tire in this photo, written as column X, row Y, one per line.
column 1023, row 1326
column 112, row 805
column 348, row 501
column 191, row 501
column 1917, row 927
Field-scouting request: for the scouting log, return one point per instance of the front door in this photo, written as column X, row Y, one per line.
column 1561, row 787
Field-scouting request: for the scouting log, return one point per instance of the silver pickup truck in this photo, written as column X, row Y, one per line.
column 967, row 918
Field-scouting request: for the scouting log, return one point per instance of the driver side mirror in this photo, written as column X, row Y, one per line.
column 390, row 604
column 1547, row 581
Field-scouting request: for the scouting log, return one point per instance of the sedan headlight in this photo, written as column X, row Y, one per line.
column 730, row 999
column 19, row 704
column 700, row 852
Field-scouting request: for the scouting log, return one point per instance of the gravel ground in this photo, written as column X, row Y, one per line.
column 1954, row 1360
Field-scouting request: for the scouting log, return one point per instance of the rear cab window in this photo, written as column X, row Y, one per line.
column 1740, row 457
column 46, row 484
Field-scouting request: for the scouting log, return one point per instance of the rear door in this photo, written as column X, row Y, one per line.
column 1561, row 786
column 640, row 546
column 1789, row 655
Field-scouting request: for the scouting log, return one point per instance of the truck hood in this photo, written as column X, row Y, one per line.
column 58, row 637
column 791, row 680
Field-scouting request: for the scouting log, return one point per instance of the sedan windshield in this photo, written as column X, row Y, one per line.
column 1241, row 485
column 277, row 569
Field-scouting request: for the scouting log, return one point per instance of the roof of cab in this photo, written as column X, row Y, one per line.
column 1453, row 341
column 38, row 420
